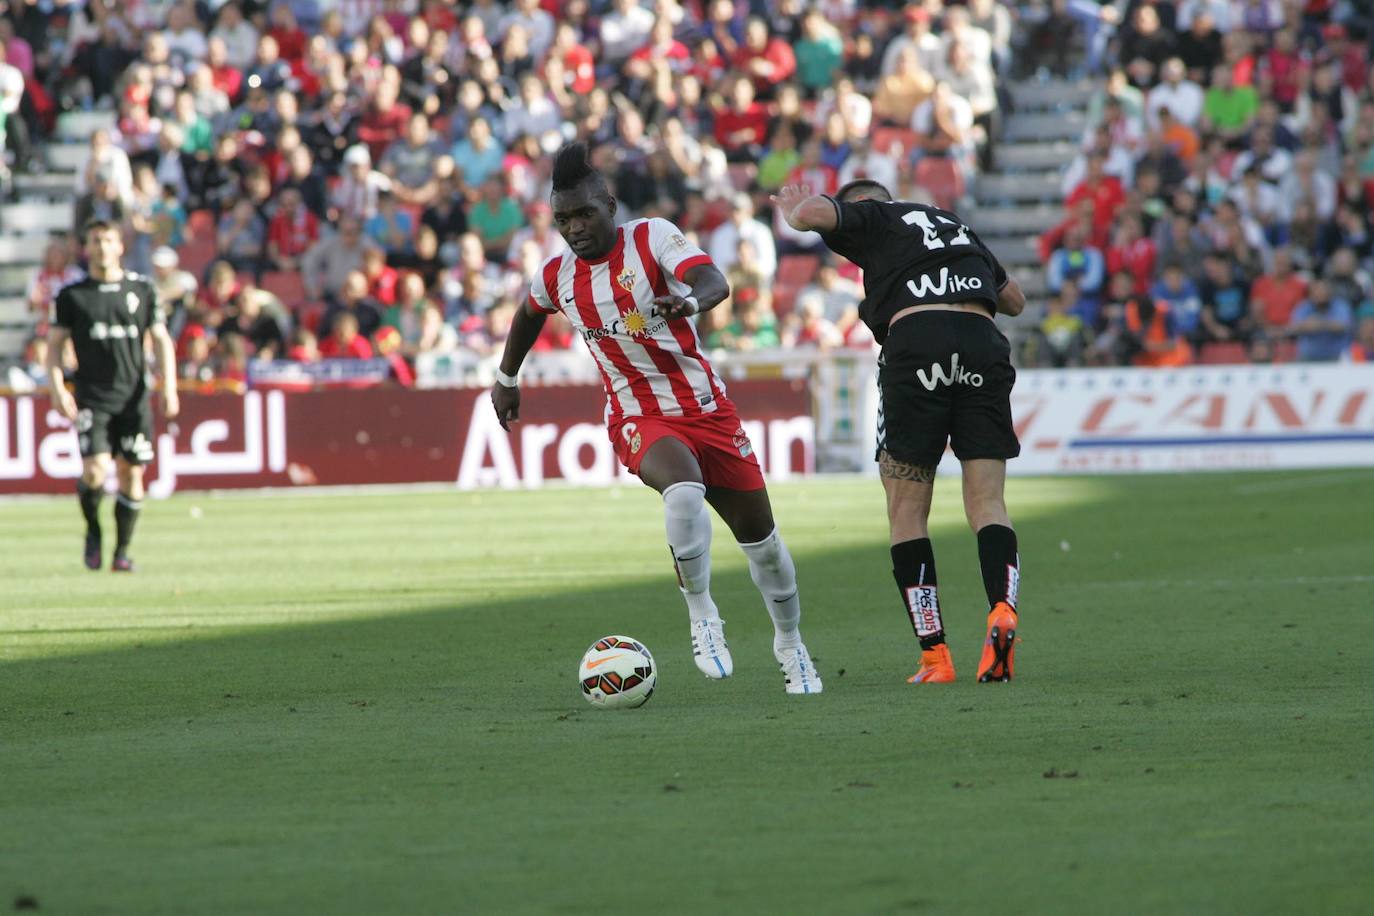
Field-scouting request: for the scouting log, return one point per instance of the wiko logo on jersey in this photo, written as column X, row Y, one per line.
column 948, row 284
column 956, row 376
column 924, row 607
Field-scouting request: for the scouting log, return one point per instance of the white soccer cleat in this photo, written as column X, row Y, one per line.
column 709, row 650
column 798, row 671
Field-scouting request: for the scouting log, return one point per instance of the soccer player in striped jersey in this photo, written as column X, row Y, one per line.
column 630, row 292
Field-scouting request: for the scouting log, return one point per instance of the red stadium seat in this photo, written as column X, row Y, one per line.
column 201, row 223
column 1286, row 351
column 885, row 139
column 1223, row 353
column 941, row 178
column 308, row 315
column 197, row 254
column 285, row 285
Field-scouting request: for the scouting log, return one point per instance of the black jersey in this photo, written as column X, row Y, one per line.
column 107, row 323
column 912, row 254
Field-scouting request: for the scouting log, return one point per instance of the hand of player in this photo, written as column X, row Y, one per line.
column 506, row 401
column 788, row 198
column 171, row 404
column 66, row 404
column 673, row 307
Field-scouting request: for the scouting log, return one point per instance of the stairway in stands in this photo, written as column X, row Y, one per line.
column 1021, row 198
column 45, row 205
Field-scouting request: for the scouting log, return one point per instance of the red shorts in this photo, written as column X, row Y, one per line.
column 723, row 451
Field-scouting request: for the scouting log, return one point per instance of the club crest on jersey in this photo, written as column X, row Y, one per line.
column 131, row 300
column 626, row 279
column 632, row 436
column 679, row 241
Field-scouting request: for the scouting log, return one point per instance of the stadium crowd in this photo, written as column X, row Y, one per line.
column 1219, row 207
column 311, row 179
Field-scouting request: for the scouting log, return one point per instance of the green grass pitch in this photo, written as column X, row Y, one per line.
column 367, row 703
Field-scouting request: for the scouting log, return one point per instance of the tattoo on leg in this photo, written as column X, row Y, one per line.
column 893, row 469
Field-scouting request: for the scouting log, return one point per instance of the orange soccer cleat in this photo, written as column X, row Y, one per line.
column 999, row 650
column 936, row 667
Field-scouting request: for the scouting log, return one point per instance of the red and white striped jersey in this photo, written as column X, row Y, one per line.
column 650, row 366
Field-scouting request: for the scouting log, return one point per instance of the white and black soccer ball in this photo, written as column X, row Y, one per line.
column 617, row 672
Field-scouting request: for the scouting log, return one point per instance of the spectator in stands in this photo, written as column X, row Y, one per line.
column 973, row 81
column 1273, row 162
column 1134, row 252
column 1181, row 96
column 1151, row 337
column 56, row 271
column 353, row 302
column 391, row 228
column 303, row 347
column 253, row 314
column 1105, row 192
column 495, row 218
column 819, row 53
column 1306, row 182
column 1228, row 110
column 903, row 90
column 406, row 315
column 1258, row 201
column 741, row 126
column 328, row 263
column 103, row 202
column 291, row 233
column 1077, row 261
column 945, row 124
column 486, row 336
column 1146, row 45
column 742, row 225
column 1321, row 325
column 1176, row 289
column 219, row 290
column 478, row 156
column 1347, row 281
column 1059, row 340
column 767, row 60
column 357, row 193
column 344, row 340
column 176, row 288
column 241, row 238
column 1225, row 295
column 1275, row 294
column 105, row 158
column 807, row 326
column 1199, row 42
column 410, row 164
column 382, row 278
column 839, row 297
column 929, row 49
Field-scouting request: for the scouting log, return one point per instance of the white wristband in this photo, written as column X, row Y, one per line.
column 696, row 306
column 506, row 381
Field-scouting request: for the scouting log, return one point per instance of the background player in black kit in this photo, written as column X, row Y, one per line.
column 931, row 289
column 108, row 315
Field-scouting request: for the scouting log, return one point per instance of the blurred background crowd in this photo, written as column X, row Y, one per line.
column 367, row 179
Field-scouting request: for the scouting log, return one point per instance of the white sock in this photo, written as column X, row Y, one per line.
column 689, row 537
column 771, row 568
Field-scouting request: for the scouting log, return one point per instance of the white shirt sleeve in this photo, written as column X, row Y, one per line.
column 671, row 249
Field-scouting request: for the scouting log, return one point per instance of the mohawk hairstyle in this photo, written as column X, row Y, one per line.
column 865, row 186
column 572, row 166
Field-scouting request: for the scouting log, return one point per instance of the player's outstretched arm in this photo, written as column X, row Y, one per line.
column 709, row 289
column 57, row 383
column 805, row 211
column 166, row 364
column 505, row 394
column 1011, row 299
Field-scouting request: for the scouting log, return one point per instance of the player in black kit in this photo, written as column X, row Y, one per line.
column 107, row 315
column 931, row 289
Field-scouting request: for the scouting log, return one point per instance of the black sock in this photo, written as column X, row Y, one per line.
column 1000, row 562
column 913, row 566
column 126, row 516
column 90, row 499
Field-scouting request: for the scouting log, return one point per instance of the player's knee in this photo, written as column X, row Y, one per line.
column 684, row 500
column 771, row 566
column 94, row 472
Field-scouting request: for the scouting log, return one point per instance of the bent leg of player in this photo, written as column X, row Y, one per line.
column 670, row 467
column 750, row 517
column 910, row 489
column 90, row 493
column 986, row 509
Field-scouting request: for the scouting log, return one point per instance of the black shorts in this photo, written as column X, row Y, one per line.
column 127, row 433
column 945, row 376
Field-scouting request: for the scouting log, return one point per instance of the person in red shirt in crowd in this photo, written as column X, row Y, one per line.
column 216, row 295
column 1285, row 66
column 290, row 37
column 381, row 278
column 766, row 59
column 312, row 68
column 579, row 67
column 1275, row 294
column 1103, row 190
column 344, row 341
column 1348, row 56
column 226, row 78
column 1134, row 252
column 389, row 348
column 662, row 46
column 384, row 121
column 292, row 231
column 742, row 127
column 1081, row 216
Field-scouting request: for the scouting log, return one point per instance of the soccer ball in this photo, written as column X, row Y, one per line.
column 617, row 671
